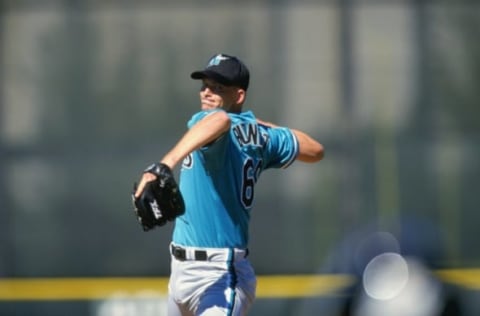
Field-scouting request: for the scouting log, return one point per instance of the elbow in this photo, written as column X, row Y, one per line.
column 315, row 153
column 319, row 152
column 225, row 120
column 221, row 120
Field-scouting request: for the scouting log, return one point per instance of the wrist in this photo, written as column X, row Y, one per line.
column 168, row 162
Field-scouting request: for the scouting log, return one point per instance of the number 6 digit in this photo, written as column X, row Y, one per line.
column 250, row 176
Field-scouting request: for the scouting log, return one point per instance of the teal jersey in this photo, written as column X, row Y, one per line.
column 217, row 181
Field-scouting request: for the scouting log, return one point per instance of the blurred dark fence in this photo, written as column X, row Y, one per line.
column 91, row 92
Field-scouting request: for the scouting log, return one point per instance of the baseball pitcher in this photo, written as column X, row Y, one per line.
column 222, row 155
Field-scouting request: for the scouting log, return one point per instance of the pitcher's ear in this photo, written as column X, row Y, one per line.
column 241, row 94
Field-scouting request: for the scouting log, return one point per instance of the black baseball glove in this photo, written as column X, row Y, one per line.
column 161, row 199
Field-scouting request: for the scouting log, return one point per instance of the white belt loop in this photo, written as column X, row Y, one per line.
column 190, row 255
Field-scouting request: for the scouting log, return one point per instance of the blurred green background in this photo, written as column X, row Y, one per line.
column 91, row 92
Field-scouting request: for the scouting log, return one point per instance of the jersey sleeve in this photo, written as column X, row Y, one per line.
column 282, row 147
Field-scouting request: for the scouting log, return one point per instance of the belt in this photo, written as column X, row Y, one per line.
column 209, row 254
column 181, row 254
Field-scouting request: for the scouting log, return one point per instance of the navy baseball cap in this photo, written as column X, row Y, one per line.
column 225, row 69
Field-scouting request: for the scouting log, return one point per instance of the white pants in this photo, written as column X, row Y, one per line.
column 222, row 283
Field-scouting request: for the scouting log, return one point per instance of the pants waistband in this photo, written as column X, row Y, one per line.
column 183, row 253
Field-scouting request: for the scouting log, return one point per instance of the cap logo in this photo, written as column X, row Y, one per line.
column 215, row 61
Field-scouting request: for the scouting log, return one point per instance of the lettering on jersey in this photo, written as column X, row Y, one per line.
column 248, row 134
column 187, row 162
